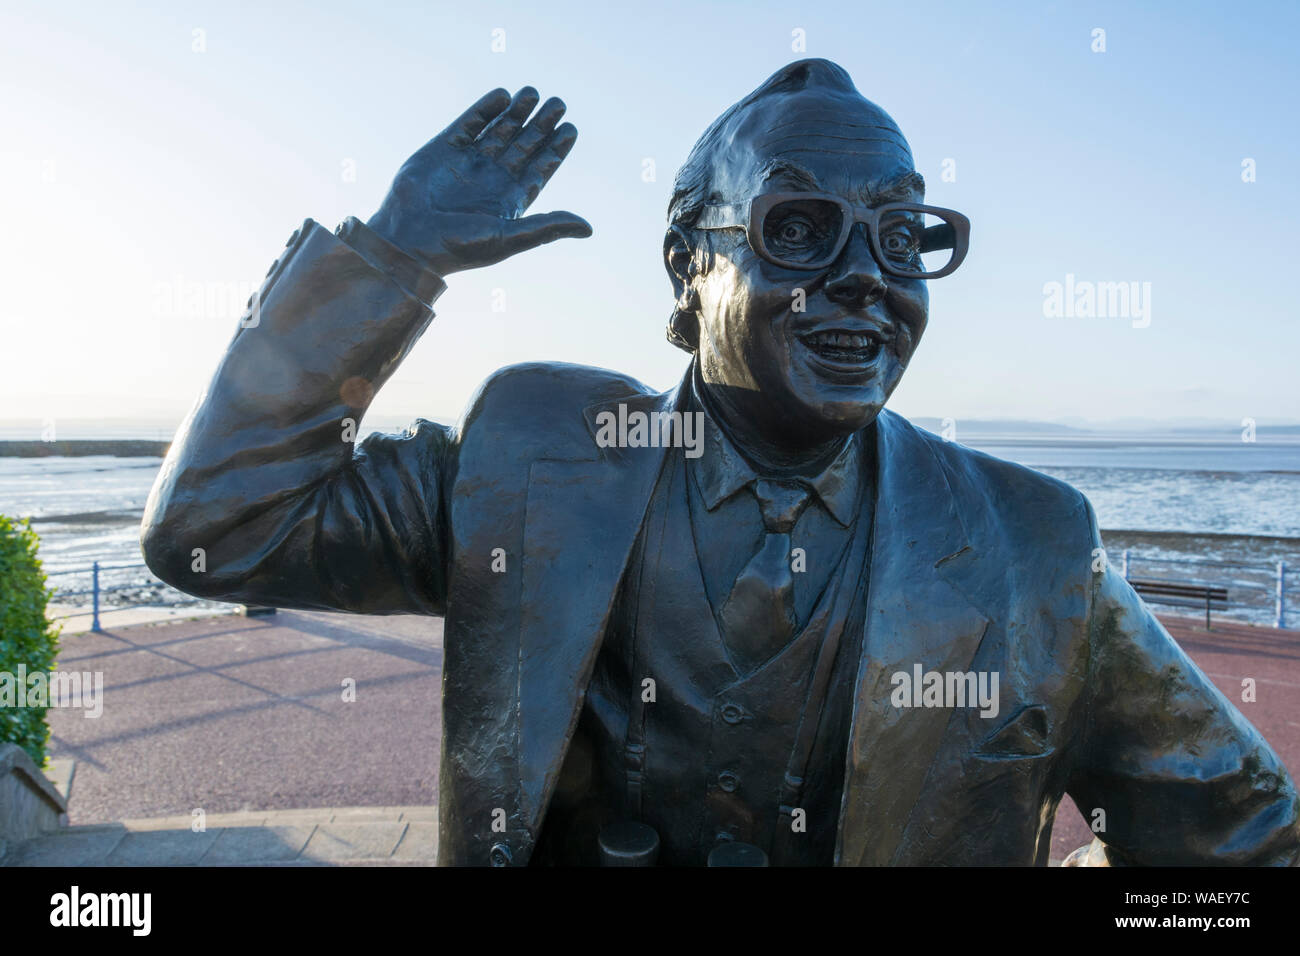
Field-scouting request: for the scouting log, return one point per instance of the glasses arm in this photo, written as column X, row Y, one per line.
column 939, row 237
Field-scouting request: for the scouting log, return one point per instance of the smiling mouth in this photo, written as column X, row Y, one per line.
column 844, row 348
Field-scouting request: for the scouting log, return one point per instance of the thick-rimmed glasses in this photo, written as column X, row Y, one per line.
column 808, row 231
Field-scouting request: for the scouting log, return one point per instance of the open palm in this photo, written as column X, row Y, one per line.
column 458, row 202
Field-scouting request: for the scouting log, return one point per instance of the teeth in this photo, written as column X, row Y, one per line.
column 841, row 340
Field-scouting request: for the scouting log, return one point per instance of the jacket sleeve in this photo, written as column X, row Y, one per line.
column 1183, row 778
column 263, row 498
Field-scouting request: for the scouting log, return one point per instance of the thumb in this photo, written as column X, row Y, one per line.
column 519, row 235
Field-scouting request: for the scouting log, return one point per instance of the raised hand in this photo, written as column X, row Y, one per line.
column 458, row 202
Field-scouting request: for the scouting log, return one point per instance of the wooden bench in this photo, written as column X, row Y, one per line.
column 1183, row 595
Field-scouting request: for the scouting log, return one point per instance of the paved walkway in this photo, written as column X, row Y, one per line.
column 294, row 711
column 360, row 836
column 245, row 719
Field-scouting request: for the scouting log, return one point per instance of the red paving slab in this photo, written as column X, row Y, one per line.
column 233, row 713
column 1227, row 654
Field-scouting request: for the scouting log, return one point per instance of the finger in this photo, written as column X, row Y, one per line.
column 545, row 161
column 535, row 134
column 520, row 235
column 505, row 127
column 474, row 120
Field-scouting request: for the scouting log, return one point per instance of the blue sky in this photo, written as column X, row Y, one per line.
column 148, row 185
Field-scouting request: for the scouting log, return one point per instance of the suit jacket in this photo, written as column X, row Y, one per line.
column 977, row 565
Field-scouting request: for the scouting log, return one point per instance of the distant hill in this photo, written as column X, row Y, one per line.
column 1000, row 426
column 83, row 448
column 21, row 437
column 1013, row 427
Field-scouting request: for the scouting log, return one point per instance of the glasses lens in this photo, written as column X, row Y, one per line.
column 916, row 242
column 802, row 230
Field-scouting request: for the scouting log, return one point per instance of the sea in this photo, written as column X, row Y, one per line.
column 1190, row 508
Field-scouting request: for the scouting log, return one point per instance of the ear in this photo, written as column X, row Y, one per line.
column 679, row 259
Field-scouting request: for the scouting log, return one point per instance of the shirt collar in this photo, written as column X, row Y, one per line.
column 722, row 470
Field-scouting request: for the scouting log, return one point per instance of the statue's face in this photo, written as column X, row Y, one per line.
column 800, row 377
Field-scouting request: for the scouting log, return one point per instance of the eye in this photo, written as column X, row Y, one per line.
column 899, row 241
column 801, row 230
column 795, row 231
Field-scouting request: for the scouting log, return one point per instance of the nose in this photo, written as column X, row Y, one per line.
column 855, row 279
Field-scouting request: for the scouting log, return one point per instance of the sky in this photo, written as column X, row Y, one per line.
column 154, row 160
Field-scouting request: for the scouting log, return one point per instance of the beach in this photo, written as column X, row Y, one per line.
column 1166, row 501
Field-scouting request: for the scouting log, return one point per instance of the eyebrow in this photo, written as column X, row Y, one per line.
column 786, row 169
column 895, row 190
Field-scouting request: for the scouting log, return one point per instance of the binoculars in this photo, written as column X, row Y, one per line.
column 629, row 843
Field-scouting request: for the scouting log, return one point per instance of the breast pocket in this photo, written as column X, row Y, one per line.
column 1008, row 774
column 1025, row 734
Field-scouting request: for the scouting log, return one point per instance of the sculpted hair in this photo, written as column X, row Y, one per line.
column 693, row 185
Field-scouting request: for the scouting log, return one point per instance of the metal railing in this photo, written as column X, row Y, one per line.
column 98, row 589
column 1276, row 586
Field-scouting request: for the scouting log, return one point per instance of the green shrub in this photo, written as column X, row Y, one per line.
column 26, row 638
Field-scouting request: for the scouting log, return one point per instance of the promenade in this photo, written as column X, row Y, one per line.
column 294, row 711
column 310, row 738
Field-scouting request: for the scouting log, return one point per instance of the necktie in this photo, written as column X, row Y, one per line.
column 758, row 617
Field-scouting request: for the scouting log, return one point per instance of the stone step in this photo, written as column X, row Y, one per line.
column 354, row 836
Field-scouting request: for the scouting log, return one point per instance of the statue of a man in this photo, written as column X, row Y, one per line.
column 756, row 613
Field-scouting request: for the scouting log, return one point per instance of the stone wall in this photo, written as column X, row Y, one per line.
column 29, row 804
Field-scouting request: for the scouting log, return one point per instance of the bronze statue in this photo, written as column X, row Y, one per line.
column 754, row 620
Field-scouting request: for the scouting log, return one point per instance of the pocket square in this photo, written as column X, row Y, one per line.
column 1023, row 735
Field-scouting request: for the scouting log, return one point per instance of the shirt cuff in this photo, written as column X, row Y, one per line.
column 412, row 277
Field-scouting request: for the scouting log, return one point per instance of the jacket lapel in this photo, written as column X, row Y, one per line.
column 581, row 522
column 923, row 567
